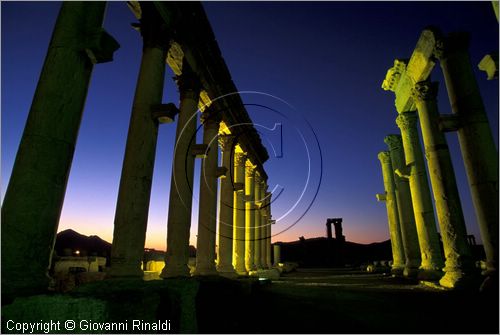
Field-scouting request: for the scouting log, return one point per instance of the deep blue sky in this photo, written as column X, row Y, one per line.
column 325, row 60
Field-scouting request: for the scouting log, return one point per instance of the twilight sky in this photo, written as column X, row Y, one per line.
column 316, row 68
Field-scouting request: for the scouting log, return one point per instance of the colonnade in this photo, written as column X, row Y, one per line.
column 407, row 193
column 35, row 194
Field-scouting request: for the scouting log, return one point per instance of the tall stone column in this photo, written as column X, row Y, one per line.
column 249, row 216
column 134, row 193
column 259, row 234
column 225, row 254
column 268, row 231
column 459, row 262
column 432, row 261
column 207, row 217
column 239, row 214
column 398, row 256
column 405, row 208
column 35, row 194
column 277, row 254
column 476, row 140
column 263, row 223
column 181, row 185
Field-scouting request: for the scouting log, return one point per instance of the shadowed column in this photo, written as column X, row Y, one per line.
column 263, row 223
column 181, row 185
column 225, row 254
column 239, row 214
column 34, row 198
column 405, row 208
column 432, row 261
column 207, row 217
column 259, row 234
column 476, row 140
column 249, row 216
column 458, row 257
column 132, row 208
column 389, row 197
column 268, row 231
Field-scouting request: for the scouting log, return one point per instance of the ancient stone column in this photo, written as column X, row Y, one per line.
column 268, row 233
column 35, row 194
column 134, row 193
column 181, row 185
column 207, row 217
column 459, row 262
column 476, row 140
column 432, row 261
column 398, row 256
column 259, row 234
column 249, row 216
column 225, row 253
column 239, row 214
column 405, row 208
column 277, row 254
column 263, row 224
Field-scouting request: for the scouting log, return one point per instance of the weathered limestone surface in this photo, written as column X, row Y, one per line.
column 277, row 254
column 181, row 186
column 35, row 194
column 239, row 214
column 249, row 216
column 476, row 140
column 489, row 64
column 432, row 261
column 225, row 253
column 392, row 213
column 207, row 218
column 405, row 208
column 459, row 263
column 132, row 208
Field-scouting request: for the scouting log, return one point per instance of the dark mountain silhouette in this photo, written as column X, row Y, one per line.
column 68, row 241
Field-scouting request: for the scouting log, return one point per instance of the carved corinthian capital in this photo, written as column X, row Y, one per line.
column 425, row 91
column 226, row 142
column 393, row 141
column 384, row 157
column 407, row 120
column 394, row 74
column 240, row 159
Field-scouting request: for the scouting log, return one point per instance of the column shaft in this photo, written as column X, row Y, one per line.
column 398, row 255
column 181, row 185
column 476, row 140
column 277, row 254
column 268, row 246
column 207, row 218
column 432, row 261
column 459, row 263
column 263, row 223
column 225, row 253
column 405, row 208
column 259, row 234
column 35, row 194
column 239, row 214
column 249, row 216
column 132, row 207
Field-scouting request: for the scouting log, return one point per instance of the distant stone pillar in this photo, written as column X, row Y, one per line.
column 329, row 234
column 277, row 254
column 263, row 223
column 476, row 140
column 181, row 185
column 269, row 232
column 239, row 214
column 258, row 231
column 35, row 194
column 225, row 254
column 459, row 263
column 398, row 256
column 432, row 261
column 249, row 216
column 207, row 217
column 134, row 193
column 405, row 208
column 338, row 230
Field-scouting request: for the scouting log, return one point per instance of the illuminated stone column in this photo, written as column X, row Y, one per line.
column 249, row 216
column 458, row 263
column 268, row 233
column 134, row 193
column 239, row 214
column 225, row 254
column 398, row 256
column 207, row 217
column 35, row 194
column 263, row 215
column 181, row 185
column 259, row 233
column 432, row 261
column 476, row 140
column 277, row 254
column 405, row 208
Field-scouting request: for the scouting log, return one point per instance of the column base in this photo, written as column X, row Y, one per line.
column 410, row 272
column 397, row 271
column 227, row 271
column 429, row 274
column 490, row 284
column 205, row 270
column 456, row 280
column 172, row 271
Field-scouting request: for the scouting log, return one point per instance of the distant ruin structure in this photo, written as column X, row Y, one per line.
column 337, row 223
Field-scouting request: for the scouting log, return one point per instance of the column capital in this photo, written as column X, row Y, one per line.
column 393, row 75
column 211, row 118
column 155, row 32
column 240, row 159
column 226, row 142
column 250, row 169
column 384, row 157
column 425, row 91
column 407, row 120
column 456, row 41
column 393, row 141
column 188, row 82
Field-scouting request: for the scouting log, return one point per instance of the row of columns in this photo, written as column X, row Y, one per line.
column 410, row 208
